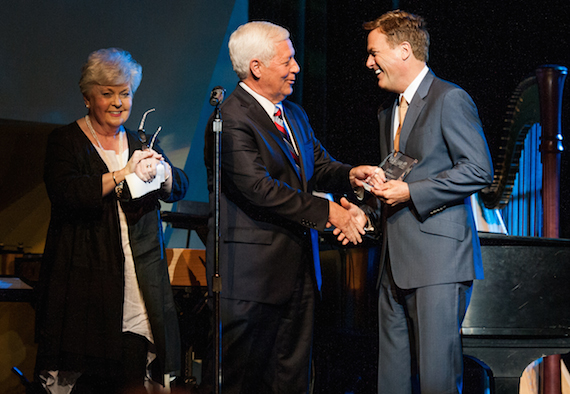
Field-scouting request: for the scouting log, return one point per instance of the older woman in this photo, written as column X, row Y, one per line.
column 105, row 312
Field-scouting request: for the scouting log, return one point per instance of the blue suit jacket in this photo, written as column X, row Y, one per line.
column 432, row 239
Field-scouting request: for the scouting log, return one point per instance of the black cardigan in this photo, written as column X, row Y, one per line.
column 81, row 288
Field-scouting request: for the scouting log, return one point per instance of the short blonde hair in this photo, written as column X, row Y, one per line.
column 111, row 66
column 400, row 26
column 254, row 40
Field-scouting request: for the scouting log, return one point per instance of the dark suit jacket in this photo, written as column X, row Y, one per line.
column 432, row 239
column 267, row 209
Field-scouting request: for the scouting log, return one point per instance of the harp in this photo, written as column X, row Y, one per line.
column 526, row 184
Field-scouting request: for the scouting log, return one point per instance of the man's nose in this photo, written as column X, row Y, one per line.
column 370, row 61
column 296, row 68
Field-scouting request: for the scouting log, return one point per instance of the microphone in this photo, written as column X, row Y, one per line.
column 217, row 95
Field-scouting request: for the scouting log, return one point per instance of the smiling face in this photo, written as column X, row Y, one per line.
column 109, row 106
column 275, row 81
column 387, row 62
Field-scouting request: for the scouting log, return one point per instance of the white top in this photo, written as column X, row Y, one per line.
column 135, row 317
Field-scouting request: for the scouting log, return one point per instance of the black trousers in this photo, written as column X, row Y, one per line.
column 267, row 348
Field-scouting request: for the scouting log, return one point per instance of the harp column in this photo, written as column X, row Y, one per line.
column 550, row 80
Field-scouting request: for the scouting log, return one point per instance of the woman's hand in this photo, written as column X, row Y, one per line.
column 137, row 164
column 143, row 163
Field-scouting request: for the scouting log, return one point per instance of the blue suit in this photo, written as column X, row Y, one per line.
column 431, row 251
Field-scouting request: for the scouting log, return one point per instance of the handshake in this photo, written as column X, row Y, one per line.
column 348, row 219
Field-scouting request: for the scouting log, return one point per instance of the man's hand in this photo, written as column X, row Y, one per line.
column 349, row 221
column 370, row 174
column 392, row 192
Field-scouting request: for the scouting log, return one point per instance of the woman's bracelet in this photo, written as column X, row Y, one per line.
column 114, row 180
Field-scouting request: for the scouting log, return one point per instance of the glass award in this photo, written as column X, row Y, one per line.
column 397, row 165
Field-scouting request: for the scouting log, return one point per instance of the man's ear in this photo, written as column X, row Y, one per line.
column 406, row 50
column 255, row 68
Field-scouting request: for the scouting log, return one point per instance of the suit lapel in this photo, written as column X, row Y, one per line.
column 256, row 111
column 294, row 126
column 414, row 109
column 385, row 122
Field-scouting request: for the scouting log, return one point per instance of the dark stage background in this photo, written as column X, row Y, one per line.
column 486, row 47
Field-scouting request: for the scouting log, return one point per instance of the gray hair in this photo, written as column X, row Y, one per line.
column 254, row 40
column 112, row 66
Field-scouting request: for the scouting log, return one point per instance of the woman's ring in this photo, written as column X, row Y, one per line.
column 148, row 166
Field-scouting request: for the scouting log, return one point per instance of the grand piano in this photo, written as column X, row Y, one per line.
column 520, row 311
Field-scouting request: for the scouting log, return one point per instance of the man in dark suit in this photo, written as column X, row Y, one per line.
column 431, row 252
column 270, row 218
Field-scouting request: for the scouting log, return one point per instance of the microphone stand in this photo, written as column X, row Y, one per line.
column 216, row 279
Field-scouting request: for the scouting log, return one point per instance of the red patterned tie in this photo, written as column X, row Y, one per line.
column 278, row 120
